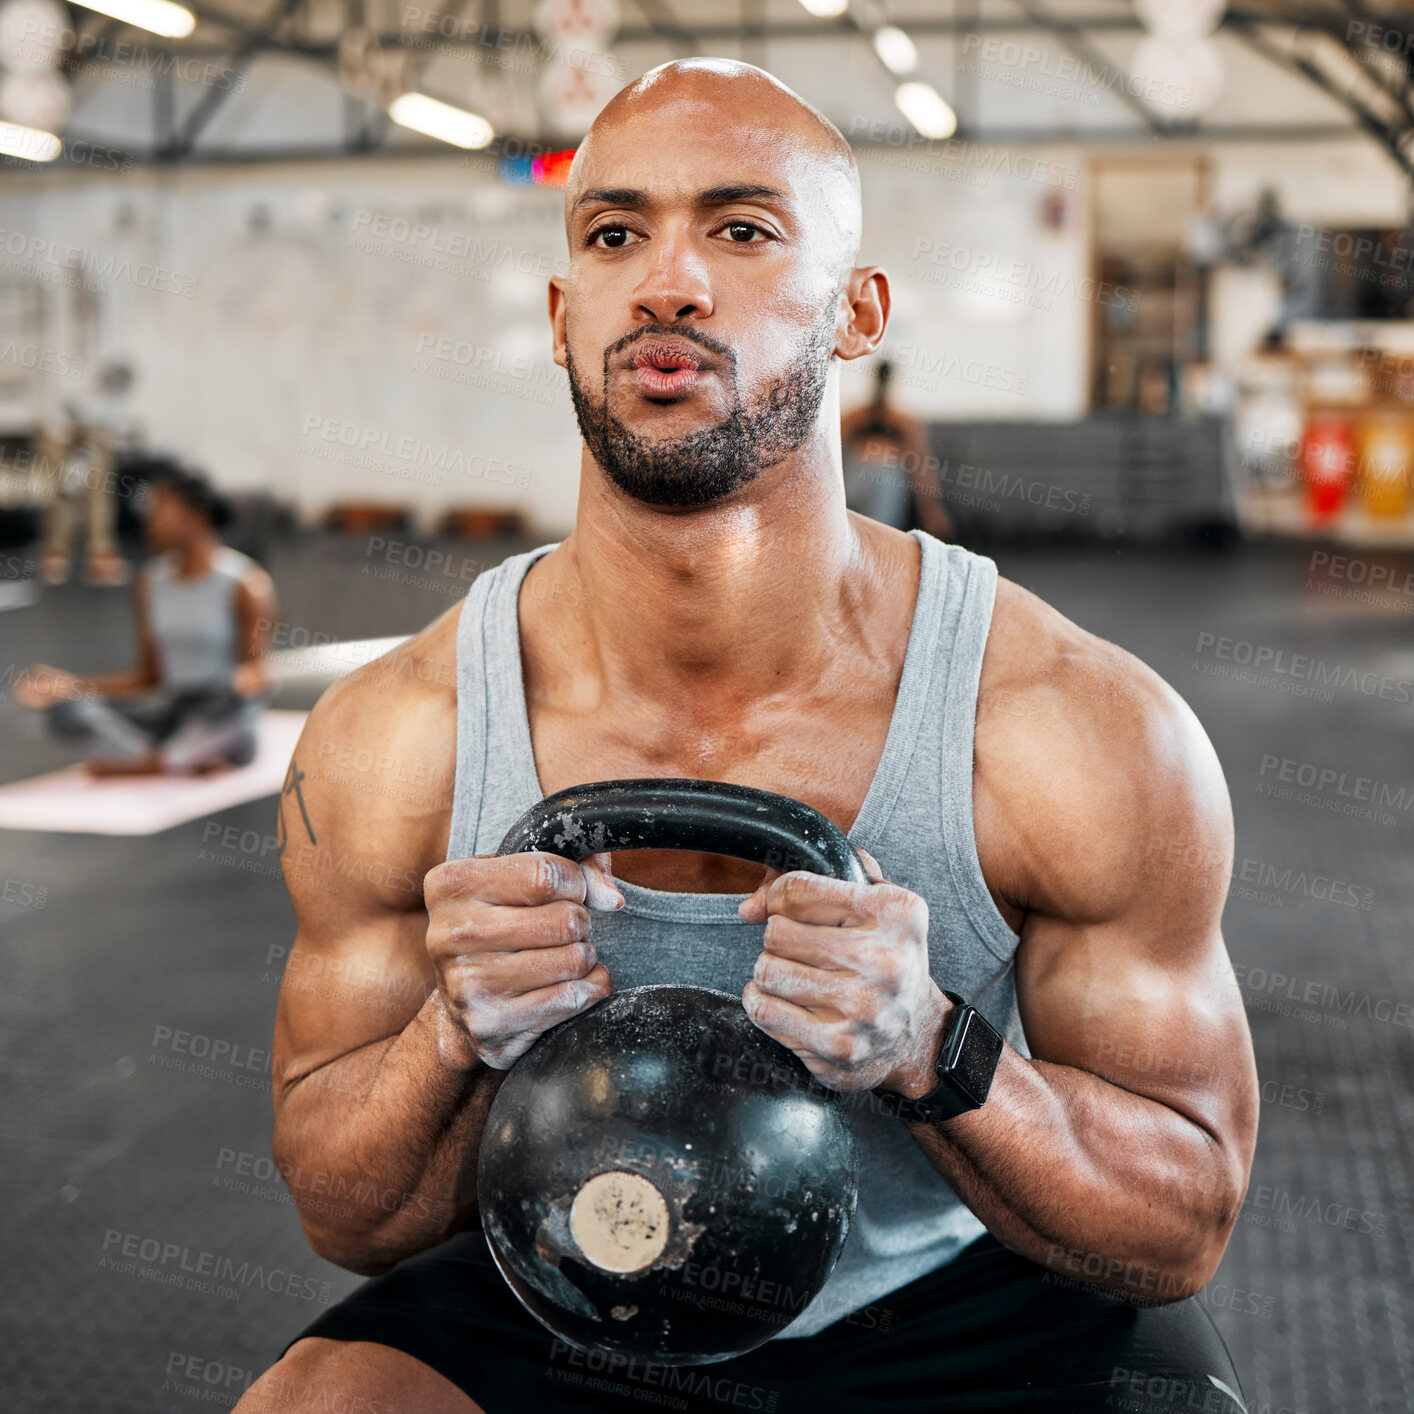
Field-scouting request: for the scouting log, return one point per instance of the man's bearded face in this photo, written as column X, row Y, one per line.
column 706, row 465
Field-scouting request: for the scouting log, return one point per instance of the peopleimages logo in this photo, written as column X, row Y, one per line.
column 1277, row 987
column 1287, row 879
column 1328, row 779
column 1294, row 672
column 40, row 250
column 213, row 1273
column 620, row 1372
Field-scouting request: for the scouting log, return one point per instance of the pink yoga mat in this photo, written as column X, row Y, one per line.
column 74, row 802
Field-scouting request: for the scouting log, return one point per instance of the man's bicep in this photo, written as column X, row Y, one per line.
column 1125, row 973
column 1151, row 1007
column 347, row 986
column 354, row 853
column 1125, row 853
column 358, row 970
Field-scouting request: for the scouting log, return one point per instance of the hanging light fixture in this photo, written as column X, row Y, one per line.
column 1191, row 19
column 1177, row 70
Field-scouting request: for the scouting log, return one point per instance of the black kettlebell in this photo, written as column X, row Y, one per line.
column 657, row 1176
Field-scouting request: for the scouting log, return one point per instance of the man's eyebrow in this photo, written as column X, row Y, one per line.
column 742, row 191
column 636, row 200
column 612, row 196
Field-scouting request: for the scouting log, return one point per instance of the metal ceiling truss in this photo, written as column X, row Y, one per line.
column 1336, row 45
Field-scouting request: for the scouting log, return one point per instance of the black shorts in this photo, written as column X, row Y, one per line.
column 990, row 1330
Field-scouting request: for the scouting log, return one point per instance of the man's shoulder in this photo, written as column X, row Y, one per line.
column 1054, row 673
column 391, row 720
column 374, row 775
column 1085, row 749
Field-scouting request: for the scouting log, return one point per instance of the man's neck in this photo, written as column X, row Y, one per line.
column 763, row 592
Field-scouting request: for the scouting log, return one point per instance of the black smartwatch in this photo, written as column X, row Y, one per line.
column 967, row 1061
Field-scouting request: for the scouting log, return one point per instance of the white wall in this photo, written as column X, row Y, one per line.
column 1340, row 184
column 268, row 347
column 400, row 306
column 397, row 307
column 992, row 303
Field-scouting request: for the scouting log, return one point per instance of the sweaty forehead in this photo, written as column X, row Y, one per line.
column 689, row 127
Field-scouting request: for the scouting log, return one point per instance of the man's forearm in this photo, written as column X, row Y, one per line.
column 1090, row 1180
column 378, row 1147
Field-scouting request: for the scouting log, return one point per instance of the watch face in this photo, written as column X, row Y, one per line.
column 976, row 1053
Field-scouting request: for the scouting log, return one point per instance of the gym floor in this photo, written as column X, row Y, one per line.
column 111, row 1137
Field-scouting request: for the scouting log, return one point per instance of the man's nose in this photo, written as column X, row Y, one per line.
column 675, row 284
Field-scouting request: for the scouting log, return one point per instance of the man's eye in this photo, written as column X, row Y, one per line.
column 734, row 229
column 616, row 236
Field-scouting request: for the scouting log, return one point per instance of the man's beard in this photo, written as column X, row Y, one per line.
column 707, row 465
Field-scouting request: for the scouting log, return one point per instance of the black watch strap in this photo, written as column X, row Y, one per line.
column 967, row 1061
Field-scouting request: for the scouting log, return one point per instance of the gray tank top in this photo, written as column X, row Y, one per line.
column 194, row 621
column 916, row 820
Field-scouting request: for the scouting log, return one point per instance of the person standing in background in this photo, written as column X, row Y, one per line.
column 77, row 453
column 887, row 474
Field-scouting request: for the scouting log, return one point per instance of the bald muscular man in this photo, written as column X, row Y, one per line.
column 1046, row 823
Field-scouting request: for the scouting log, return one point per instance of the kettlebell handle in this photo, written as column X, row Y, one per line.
column 710, row 817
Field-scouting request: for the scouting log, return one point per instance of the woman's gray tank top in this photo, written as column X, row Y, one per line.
column 916, row 820
column 194, row 621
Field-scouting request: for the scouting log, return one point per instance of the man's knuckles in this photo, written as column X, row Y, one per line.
column 498, row 977
column 474, row 929
column 899, row 908
column 551, row 877
column 883, row 904
column 557, row 924
column 508, row 1026
column 798, row 891
column 529, row 878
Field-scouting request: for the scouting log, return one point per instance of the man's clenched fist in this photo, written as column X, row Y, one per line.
column 844, row 981
column 509, row 937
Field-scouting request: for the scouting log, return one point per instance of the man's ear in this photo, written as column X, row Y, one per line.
column 864, row 312
column 556, row 294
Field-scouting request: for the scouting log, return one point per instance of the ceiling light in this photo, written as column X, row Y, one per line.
column 31, row 144
column 158, row 16
column 926, row 109
column 897, row 51
column 826, row 9
column 441, row 120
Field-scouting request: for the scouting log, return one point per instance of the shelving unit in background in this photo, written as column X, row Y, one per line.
column 1345, row 472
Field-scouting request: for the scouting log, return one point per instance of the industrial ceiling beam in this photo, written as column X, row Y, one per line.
column 665, row 25
column 1394, row 140
column 1248, row 25
column 1072, row 37
column 751, row 27
column 992, row 137
column 1360, row 15
column 213, row 98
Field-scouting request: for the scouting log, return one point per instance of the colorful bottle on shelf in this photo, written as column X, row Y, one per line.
column 1327, row 464
column 1386, row 459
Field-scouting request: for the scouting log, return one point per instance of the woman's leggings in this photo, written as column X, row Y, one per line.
column 191, row 728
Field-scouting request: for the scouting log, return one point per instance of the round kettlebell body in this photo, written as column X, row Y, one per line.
column 659, row 1177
